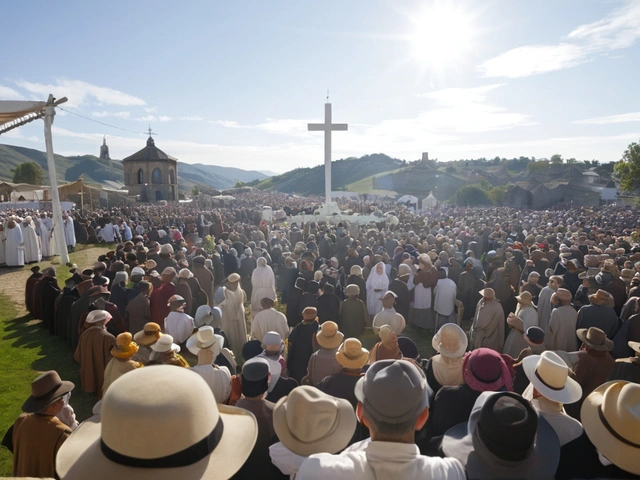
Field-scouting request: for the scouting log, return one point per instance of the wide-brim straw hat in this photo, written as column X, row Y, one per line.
column 549, row 375
column 351, row 354
column 450, row 341
column 149, row 429
column 203, row 339
column 45, row 390
column 148, row 335
column 487, row 293
column 329, row 336
column 595, row 339
column 610, row 418
column 234, row 277
column 308, row 421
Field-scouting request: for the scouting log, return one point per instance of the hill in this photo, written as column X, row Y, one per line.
column 310, row 181
column 95, row 170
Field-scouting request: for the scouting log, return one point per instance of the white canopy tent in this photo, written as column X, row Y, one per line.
column 430, row 201
column 408, row 199
column 14, row 114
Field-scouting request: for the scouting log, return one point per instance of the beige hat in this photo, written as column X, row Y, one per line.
column 143, row 435
column 329, row 336
column 562, row 294
column 601, row 297
column 166, row 249
column 163, row 345
column 352, row 290
column 169, row 271
column 610, row 418
column 185, row 273
column 351, row 354
column 151, row 264
column 234, row 277
column 635, row 346
column 308, row 421
column 595, row 338
column 149, row 335
column 203, row 339
column 488, row 293
column 450, row 341
column 96, row 316
column 175, row 299
column 525, row 298
column 356, row 270
column 549, row 375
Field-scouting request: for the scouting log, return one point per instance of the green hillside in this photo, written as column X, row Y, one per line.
column 310, row 181
column 69, row 169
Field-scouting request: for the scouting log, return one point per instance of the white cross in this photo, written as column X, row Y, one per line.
column 327, row 127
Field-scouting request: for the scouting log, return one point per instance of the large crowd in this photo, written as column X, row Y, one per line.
column 222, row 345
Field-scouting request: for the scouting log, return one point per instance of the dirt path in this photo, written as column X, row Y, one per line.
column 12, row 281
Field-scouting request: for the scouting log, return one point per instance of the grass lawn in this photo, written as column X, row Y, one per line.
column 26, row 349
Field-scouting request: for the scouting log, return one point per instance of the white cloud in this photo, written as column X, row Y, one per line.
column 154, row 118
column 7, row 93
column 620, row 29
column 80, row 93
column 151, row 109
column 620, row 118
column 16, row 134
column 104, row 114
column 457, row 96
column 229, row 124
column 191, row 118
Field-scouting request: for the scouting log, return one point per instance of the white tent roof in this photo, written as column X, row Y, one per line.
column 13, row 111
column 430, row 201
column 407, row 198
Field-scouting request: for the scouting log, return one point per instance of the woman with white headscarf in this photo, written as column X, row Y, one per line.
column 263, row 285
column 377, row 285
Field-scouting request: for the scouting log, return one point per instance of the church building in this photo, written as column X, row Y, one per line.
column 151, row 175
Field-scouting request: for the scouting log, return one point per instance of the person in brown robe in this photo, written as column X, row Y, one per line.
column 387, row 348
column 94, row 351
column 184, row 290
column 31, row 283
column 204, row 276
column 38, row 434
column 138, row 311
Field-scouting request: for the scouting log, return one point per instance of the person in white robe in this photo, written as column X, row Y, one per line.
column 526, row 316
column 46, row 234
column 269, row 320
column 377, row 285
column 30, row 239
column 263, row 285
column 69, row 232
column 234, row 324
column 14, row 244
column 445, row 300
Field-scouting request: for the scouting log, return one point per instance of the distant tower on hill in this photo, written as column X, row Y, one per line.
column 104, row 150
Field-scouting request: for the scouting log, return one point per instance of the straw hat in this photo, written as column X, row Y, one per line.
column 163, row 345
column 487, row 293
column 149, row 335
column 329, row 336
column 351, row 354
column 611, row 420
column 525, row 298
column 310, row 313
column 450, row 341
column 308, row 421
column 147, row 436
column 356, row 270
column 151, row 264
column 96, row 316
column 203, row 339
column 234, row 277
column 185, row 273
column 169, row 271
column 124, row 348
column 595, row 338
column 45, row 390
column 166, row 249
column 549, row 375
column 562, row 294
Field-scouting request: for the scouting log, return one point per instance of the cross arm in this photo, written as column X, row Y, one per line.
column 316, row 127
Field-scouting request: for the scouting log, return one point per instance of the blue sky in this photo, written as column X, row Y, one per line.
column 235, row 83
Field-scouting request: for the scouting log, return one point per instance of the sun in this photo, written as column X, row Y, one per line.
column 441, row 34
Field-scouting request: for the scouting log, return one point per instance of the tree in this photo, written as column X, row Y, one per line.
column 556, row 158
column 628, row 168
column 471, row 195
column 195, row 191
column 29, row 172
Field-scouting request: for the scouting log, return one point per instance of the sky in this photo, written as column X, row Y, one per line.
column 235, row 83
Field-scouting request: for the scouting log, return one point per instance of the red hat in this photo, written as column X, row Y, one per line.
column 486, row 370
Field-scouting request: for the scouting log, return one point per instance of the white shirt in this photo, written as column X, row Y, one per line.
column 218, row 379
column 108, row 233
column 179, row 325
column 445, row 301
column 381, row 460
column 269, row 320
column 287, row 462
